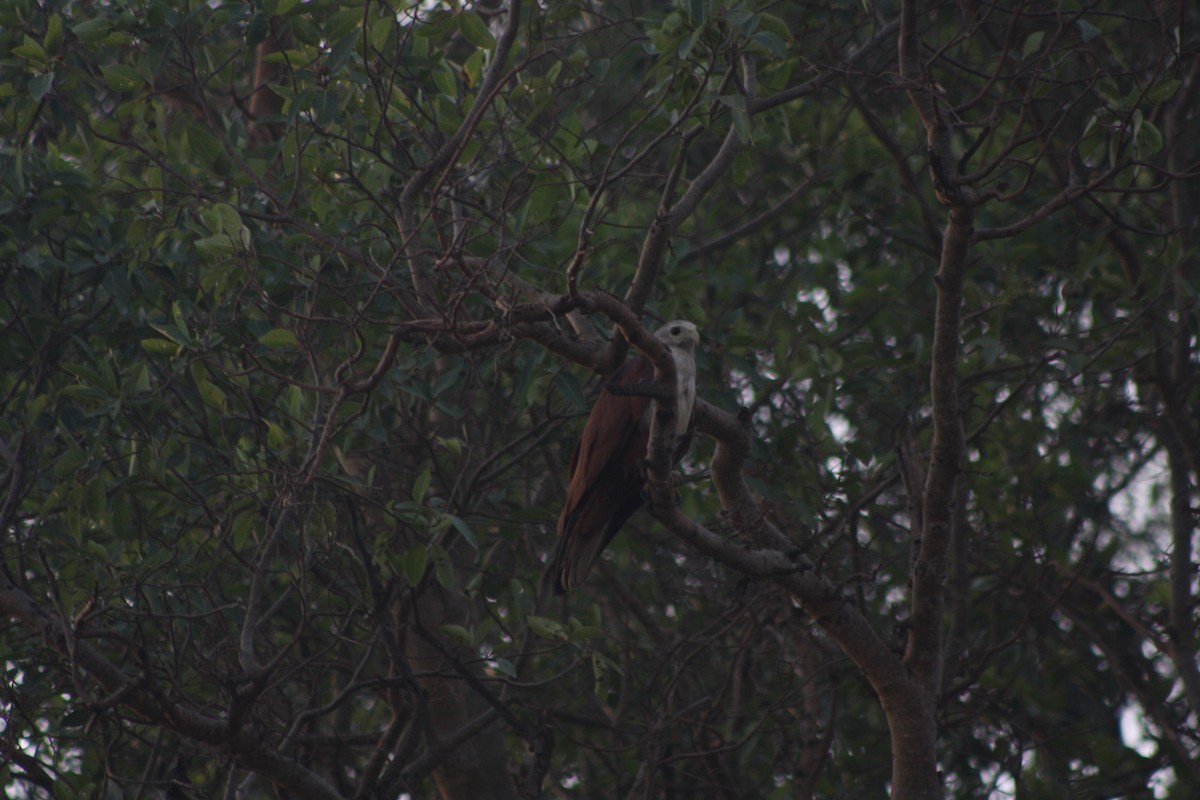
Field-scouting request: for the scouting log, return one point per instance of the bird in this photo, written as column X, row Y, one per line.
column 607, row 474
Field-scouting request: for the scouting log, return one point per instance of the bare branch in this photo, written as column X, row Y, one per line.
column 444, row 158
column 150, row 703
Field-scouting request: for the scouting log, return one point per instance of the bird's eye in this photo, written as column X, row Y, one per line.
column 675, row 331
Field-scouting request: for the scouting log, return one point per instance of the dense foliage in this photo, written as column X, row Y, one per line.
column 302, row 306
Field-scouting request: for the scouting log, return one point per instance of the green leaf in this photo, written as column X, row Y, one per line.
column 435, row 24
column 1033, row 43
column 215, row 248
column 770, row 42
column 465, row 530
column 1148, row 138
column 447, row 82
column 205, row 146
column 222, row 218
column 774, row 24
column 92, row 30
column 342, row 23
column 257, row 30
column 421, row 485
column 97, row 551
column 276, row 436
column 39, row 85
column 571, row 389
column 443, row 569
column 504, row 667
column 34, row 409
column 211, row 394
column 741, row 120
column 280, row 8
column 459, row 634
column 604, row 674
column 475, row 31
column 96, row 499
column 161, row 347
column 580, row 631
column 244, row 525
column 733, row 101
column 1087, row 31
column 547, row 628
column 449, row 377
column 1162, row 91
column 180, row 321
column 52, row 41
column 543, row 202
column 30, row 50
column 1109, row 91
column 279, row 337
column 414, row 564
column 745, row 168
column 685, row 46
column 73, row 514
column 122, row 78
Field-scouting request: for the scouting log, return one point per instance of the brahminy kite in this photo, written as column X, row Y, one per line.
column 608, row 475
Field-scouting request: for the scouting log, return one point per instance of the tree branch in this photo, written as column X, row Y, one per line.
column 148, row 701
column 444, row 158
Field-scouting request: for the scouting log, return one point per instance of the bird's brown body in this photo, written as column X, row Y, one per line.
column 607, row 473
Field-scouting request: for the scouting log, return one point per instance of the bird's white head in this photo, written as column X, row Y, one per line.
column 679, row 333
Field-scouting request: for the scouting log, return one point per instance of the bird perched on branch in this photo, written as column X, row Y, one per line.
column 607, row 475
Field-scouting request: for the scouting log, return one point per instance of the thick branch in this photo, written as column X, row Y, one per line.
column 912, row 720
column 1181, row 628
column 923, row 654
